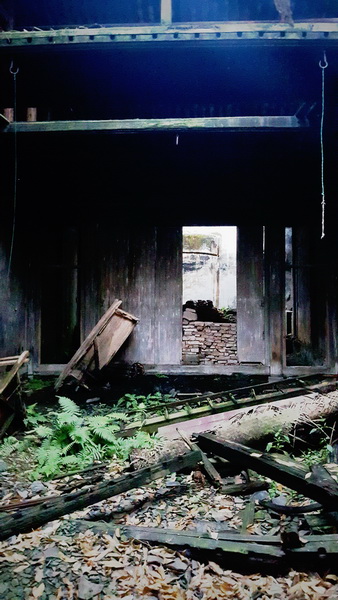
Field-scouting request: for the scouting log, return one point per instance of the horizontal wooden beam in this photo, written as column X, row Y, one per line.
column 176, row 124
column 241, row 31
column 272, row 123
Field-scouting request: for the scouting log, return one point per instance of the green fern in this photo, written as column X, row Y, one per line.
column 76, row 439
column 69, row 406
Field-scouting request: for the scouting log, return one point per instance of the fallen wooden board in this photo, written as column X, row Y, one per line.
column 31, row 518
column 276, row 469
column 252, row 546
column 100, row 345
column 191, row 539
column 204, row 418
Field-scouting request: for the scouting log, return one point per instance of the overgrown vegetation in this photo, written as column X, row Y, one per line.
column 72, row 439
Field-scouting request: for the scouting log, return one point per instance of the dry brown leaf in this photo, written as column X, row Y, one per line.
column 38, row 591
column 38, row 575
column 112, row 564
column 20, row 568
column 215, row 568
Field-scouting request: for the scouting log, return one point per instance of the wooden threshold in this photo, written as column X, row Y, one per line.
column 255, row 123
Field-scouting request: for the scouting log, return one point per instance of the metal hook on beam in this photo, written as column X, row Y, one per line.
column 11, row 70
column 325, row 64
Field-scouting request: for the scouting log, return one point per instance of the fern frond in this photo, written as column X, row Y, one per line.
column 43, row 432
column 106, row 433
column 69, row 460
column 80, row 435
column 65, row 418
column 69, row 406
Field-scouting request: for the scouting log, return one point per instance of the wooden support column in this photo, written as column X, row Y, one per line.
column 275, row 294
column 302, row 275
column 250, row 295
column 166, row 12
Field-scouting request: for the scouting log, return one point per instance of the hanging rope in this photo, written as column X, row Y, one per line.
column 323, row 67
column 14, row 73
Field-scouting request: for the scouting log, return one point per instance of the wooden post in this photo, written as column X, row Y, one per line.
column 275, row 293
column 166, row 12
column 302, row 275
column 250, row 295
column 9, row 114
column 31, row 114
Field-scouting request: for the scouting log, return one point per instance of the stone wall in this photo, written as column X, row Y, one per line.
column 210, row 343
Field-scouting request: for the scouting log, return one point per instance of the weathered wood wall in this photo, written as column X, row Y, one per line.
column 251, row 338
column 143, row 268
column 12, row 294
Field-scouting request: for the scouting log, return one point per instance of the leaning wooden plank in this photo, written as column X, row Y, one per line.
column 109, row 334
column 31, row 518
column 277, row 469
column 191, row 539
column 21, row 360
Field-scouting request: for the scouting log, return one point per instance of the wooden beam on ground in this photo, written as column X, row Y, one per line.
column 31, row 518
column 242, row 489
column 281, row 471
column 235, row 544
column 254, row 123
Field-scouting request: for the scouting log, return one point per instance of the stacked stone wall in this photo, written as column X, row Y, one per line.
column 210, row 343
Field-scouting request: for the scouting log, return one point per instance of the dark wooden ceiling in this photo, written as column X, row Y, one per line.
column 60, row 13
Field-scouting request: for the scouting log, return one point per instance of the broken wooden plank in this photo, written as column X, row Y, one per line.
column 277, row 469
column 19, row 362
column 290, row 533
column 242, row 489
column 192, row 539
column 33, row 517
column 209, row 468
column 248, row 515
column 100, row 345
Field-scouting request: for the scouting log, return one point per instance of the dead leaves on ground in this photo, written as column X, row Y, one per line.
column 104, row 567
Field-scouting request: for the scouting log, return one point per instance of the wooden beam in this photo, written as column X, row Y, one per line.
column 228, row 543
column 255, row 123
column 291, row 475
column 275, row 293
column 243, row 32
column 35, row 516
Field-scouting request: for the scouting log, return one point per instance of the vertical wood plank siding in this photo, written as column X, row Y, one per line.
column 250, row 295
column 142, row 267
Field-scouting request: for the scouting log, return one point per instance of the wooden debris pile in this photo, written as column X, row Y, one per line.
column 179, row 529
column 290, row 542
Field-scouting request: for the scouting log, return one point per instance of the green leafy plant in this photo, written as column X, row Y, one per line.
column 281, row 439
column 33, row 417
column 75, row 439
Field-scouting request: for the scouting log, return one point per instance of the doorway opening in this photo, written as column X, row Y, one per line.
column 209, row 295
column 60, row 331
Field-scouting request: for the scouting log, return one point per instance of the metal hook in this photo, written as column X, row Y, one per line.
column 323, row 66
column 12, row 71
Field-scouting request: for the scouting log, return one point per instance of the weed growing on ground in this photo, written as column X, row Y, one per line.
column 71, row 439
